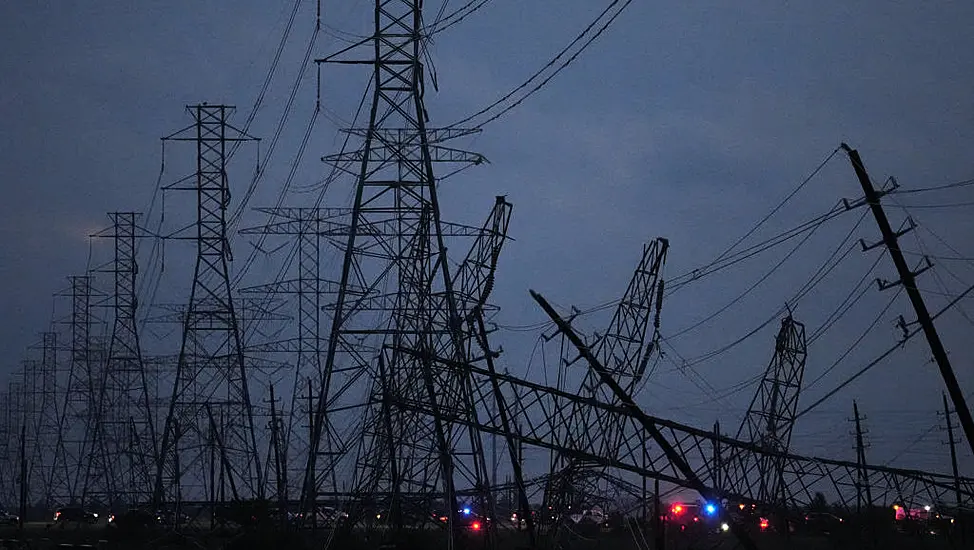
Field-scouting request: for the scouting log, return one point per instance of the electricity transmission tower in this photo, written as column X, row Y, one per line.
column 625, row 347
column 307, row 345
column 123, row 452
column 770, row 417
column 76, row 411
column 398, row 316
column 40, row 416
column 208, row 441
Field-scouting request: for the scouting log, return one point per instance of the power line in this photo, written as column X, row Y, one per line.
column 697, row 274
column 963, row 183
column 855, row 344
column 581, row 36
column 883, row 355
column 936, row 206
column 278, row 131
column 816, row 278
column 780, row 205
column 456, row 16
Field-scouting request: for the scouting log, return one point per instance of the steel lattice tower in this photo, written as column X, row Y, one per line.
column 306, row 346
column 625, row 348
column 45, row 421
column 124, row 442
column 397, row 316
column 75, row 411
column 208, row 440
column 771, row 416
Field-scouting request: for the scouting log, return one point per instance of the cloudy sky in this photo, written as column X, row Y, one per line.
column 687, row 120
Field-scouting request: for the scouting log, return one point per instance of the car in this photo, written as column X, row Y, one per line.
column 465, row 520
column 693, row 516
column 74, row 515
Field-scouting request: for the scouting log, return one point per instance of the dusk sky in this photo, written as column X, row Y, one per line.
column 686, row 120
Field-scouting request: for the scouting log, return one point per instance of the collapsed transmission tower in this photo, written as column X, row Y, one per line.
column 122, row 457
column 625, row 348
column 771, row 416
column 208, row 441
column 398, row 312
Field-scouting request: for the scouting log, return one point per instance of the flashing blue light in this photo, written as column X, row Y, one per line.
column 710, row 508
column 466, row 511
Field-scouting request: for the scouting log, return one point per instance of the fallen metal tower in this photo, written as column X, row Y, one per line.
column 626, row 346
column 770, row 417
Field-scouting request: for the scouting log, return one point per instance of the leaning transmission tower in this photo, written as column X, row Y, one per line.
column 401, row 321
column 771, row 416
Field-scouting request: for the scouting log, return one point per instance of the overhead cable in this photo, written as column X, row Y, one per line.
column 901, row 191
column 581, row 37
column 883, row 356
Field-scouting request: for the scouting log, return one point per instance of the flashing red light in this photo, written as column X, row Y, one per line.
column 476, row 526
column 764, row 523
column 678, row 509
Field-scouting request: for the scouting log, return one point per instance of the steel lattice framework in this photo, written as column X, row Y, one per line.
column 624, row 347
column 74, row 413
column 208, row 441
column 124, row 440
column 706, row 451
column 771, row 416
column 42, row 432
column 306, row 346
column 397, row 296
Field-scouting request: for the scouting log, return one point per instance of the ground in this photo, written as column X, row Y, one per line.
column 42, row 536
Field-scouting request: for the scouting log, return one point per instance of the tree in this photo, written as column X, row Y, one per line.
column 818, row 503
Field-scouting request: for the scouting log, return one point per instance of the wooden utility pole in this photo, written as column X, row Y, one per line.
column 863, row 477
column 953, row 465
column 861, row 460
column 908, row 280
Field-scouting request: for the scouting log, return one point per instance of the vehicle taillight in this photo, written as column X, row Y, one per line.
column 476, row 526
column 764, row 523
